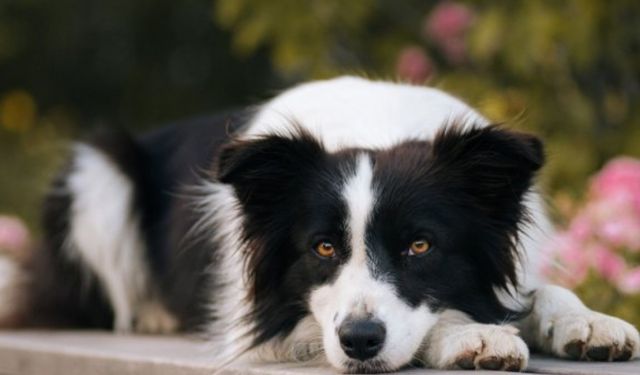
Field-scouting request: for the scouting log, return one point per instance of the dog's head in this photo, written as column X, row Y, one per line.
column 375, row 243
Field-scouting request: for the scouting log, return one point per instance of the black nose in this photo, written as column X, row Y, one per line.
column 362, row 339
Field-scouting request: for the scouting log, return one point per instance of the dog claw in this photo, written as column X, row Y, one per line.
column 514, row 367
column 466, row 362
column 491, row 363
column 625, row 355
column 574, row 349
column 513, row 364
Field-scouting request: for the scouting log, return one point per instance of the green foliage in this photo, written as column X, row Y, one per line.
column 602, row 296
column 27, row 165
column 303, row 35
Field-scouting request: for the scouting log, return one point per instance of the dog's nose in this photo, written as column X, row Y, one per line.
column 362, row 339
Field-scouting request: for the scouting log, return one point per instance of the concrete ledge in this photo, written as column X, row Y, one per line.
column 71, row 353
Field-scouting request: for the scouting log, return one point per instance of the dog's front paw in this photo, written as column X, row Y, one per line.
column 306, row 351
column 153, row 318
column 479, row 347
column 589, row 335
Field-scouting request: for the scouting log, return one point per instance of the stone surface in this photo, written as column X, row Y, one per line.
column 79, row 353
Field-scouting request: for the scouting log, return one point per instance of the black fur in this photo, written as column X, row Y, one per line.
column 178, row 156
column 463, row 193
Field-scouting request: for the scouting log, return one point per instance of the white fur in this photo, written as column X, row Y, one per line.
column 105, row 231
column 532, row 235
column 154, row 318
column 360, row 201
column 220, row 210
column 356, row 112
column 303, row 344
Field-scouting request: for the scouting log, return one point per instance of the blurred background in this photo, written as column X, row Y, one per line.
column 566, row 70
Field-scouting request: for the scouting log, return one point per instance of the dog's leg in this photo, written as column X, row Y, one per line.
column 560, row 324
column 456, row 341
column 303, row 344
column 152, row 317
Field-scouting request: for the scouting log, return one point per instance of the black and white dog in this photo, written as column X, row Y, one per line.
column 369, row 224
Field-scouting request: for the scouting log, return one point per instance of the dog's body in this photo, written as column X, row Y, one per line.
column 371, row 222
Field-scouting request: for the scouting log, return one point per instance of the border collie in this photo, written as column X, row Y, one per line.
column 369, row 224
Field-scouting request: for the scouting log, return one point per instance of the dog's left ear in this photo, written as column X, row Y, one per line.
column 488, row 170
column 494, row 166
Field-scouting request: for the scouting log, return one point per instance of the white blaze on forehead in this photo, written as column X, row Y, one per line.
column 360, row 200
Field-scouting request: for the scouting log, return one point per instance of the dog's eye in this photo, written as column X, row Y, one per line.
column 325, row 249
column 418, row 247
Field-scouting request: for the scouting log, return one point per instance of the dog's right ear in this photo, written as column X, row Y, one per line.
column 269, row 168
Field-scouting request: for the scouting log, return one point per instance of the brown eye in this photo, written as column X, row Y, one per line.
column 419, row 247
column 325, row 249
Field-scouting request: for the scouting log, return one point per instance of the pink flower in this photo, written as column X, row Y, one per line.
column 607, row 227
column 447, row 26
column 622, row 232
column 581, row 228
column 448, row 20
column 612, row 206
column 566, row 260
column 619, row 179
column 14, row 235
column 608, row 264
column 630, row 282
column 413, row 65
